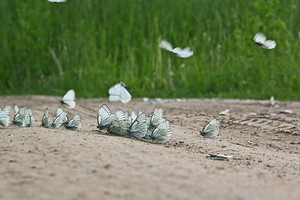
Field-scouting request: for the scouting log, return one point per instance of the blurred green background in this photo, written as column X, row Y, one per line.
column 89, row 45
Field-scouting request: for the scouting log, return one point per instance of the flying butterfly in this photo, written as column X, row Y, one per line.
column 74, row 123
column 261, row 40
column 69, row 99
column 59, row 120
column 162, row 132
column 46, row 119
column 211, row 129
column 183, row 53
column 119, row 92
column 4, row 116
column 138, row 128
column 105, row 118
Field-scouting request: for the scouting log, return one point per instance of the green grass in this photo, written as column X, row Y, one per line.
column 48, row 48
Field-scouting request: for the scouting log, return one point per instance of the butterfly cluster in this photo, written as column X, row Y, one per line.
column 61, row 119
column 23, row 117
column 139, row 126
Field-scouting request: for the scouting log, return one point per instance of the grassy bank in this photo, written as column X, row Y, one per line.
column 48, row 48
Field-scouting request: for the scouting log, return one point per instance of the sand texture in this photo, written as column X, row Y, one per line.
column 41, row 163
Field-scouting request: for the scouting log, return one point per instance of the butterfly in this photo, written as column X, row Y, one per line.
column 154, row 120
column 23, row 117
column 118, row 92
column 46, row 119
column 74, row 123
column 4, row 116
column 162, row 132
column 138, row 128
column 69, row 99
column 183, row 53
column 261, row 40
column 59, row 119
column 105, row 118
column 58, row 112
column 211, row 129
column 121, row 125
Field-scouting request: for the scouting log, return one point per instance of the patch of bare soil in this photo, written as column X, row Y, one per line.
column 41, row 163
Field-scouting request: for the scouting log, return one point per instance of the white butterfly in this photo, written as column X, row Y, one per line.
column 154, row 120
column 105, row 118
column 183, row 53
column 162, row 132
column 59, row 120
column 261, row 40
column 74, row 123
column 69, row 99
column 46, row 119
column 58, row 112
column 119, row 127
column 4, row 116
column 118, row 92
column 211, row 129
column 57, row 1
column 138, row 128
column 23, row 117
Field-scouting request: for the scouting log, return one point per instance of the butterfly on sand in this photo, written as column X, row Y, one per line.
column 59, row 119
column 46, row 119
column 105, row 118
column 211, row 129
column 74, row 123
column 69, row 99
column 4, row 116
column 261, row 40
column 23, row 117
column 119, row 92
column 183, row 53
column 138, row 128
column 162, row 132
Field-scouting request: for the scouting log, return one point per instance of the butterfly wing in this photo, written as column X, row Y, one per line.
column 58, row 120
column 19, row 116
column 259, row 38
column 184, row 53
column 74, row 123
column 105, row 118
column 119, row 127
column 46, row 119
column 4, row 116
column 157, row 117
column 211, row 129
column 269, row 44
column 118, row 92
column 138, row 128
column 166, row 45
column 125, row 96
column 162, row 133
column 69, row 99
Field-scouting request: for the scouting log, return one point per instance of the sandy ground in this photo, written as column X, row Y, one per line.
column 40, row 163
